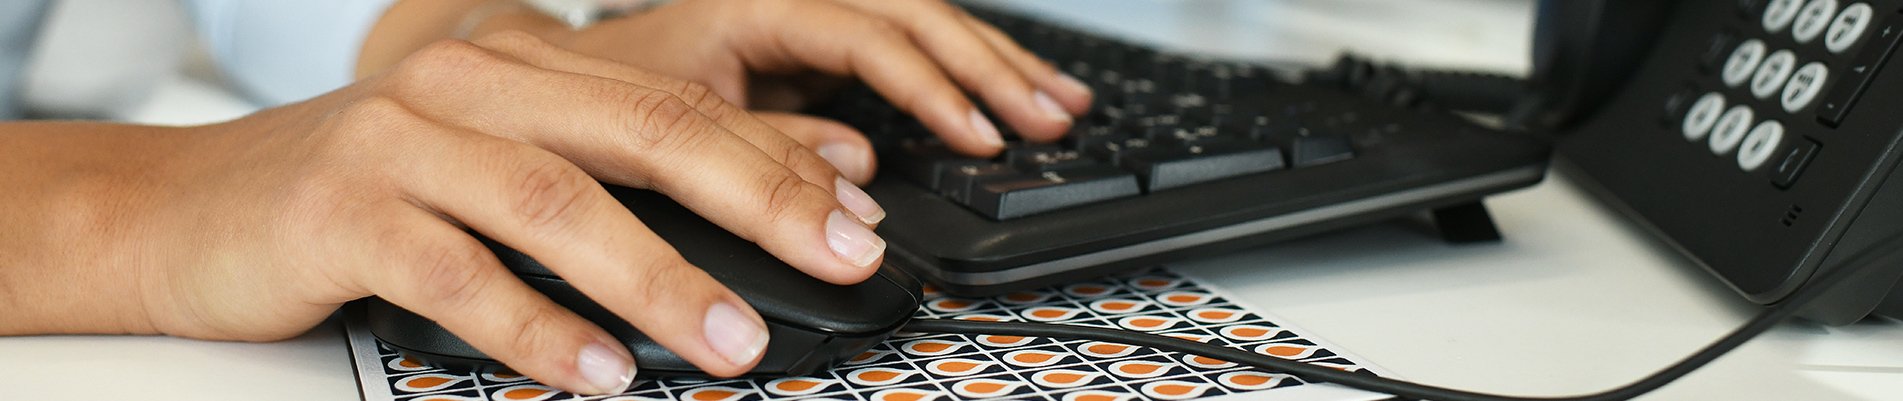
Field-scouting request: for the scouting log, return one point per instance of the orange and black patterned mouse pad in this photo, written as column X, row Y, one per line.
column 944, row 367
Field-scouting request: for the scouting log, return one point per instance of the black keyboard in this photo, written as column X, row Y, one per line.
column 1180, row 155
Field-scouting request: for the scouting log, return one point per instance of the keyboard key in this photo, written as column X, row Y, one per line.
column 1163, row 168
column 1051, row 160
column 958, row 183
column 1316, row 150
column 1022, row 195
column 1114, row 151
column 1019, row 150
column 1092, row 137
column 928, row 161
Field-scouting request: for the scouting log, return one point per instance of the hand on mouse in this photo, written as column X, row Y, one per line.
column 775, row 54
column 259, row 228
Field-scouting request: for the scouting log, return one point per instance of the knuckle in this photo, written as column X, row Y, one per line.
column 882, row 28
column 655, row 283
column 549, row 191
column 443, row 58
column 666, row 124
column 537, row 323
column 705, row 100
column 782, row 195
column 448, row 273
column 798, row 158
column 697, row 94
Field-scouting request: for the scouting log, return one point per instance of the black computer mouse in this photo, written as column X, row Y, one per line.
column 813, row 323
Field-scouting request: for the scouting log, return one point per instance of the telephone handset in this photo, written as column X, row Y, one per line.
column 1760, row 137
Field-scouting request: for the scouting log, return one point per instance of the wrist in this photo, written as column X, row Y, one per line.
column 79, row 225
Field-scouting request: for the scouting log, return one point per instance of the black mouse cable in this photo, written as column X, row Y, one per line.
column 1887, row 252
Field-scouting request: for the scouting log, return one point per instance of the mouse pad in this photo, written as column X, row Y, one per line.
column 922, row 367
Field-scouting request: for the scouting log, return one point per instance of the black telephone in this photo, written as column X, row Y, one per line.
column 1760, row 137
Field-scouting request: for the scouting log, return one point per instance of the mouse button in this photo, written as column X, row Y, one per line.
column 775, row 289
column 904, row 280
column 872, row 306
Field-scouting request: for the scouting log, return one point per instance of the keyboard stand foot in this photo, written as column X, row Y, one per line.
column 1466, row 223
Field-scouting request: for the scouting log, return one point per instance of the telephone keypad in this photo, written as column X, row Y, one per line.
column 1762, row 73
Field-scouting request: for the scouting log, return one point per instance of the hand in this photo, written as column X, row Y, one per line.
column 763, row 54
column 260, row 228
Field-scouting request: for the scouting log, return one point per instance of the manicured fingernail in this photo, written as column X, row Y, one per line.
column 734, row 335
column 1071, row 83
column 857, row 201
column 852, row 241
column 606, row 370
column 846, row 158
column 1051, row 109
column 985, row 131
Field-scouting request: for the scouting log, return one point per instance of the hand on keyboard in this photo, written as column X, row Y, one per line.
column 924, row 54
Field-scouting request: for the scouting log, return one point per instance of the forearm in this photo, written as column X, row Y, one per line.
column 412, row 24
column 77, row 193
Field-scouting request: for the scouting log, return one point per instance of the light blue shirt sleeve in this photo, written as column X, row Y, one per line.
column 19, row 25
column 282, row 51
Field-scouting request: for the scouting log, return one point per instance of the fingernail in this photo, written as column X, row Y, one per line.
column 858, row 201
column 852, row 241
column 845, row 157
column 1051, row 108
column 985, row 131
column 734, row 335
column 1073, row 84
column 604, row 369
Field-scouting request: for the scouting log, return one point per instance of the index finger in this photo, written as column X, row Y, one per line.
column 882, row 55
column 1039, row 110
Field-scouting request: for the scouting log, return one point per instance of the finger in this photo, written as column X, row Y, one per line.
column 639, row 136
column 537, row 203
column 432, row 268
column 939, row 28
column 811, row 163
column 844, row 147
column 838, row 40
column 1066, row 89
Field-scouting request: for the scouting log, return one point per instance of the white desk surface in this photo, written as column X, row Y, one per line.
column 1576, row 299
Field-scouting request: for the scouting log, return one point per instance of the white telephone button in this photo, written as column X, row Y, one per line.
column 1848, row 26
column 1772, row 73
column 1804, row 86
column 1730, row 129
column 1703, row 114
column 1812, row 20
column 1759, row 144
column 1742, row 62
column 1780, row 13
